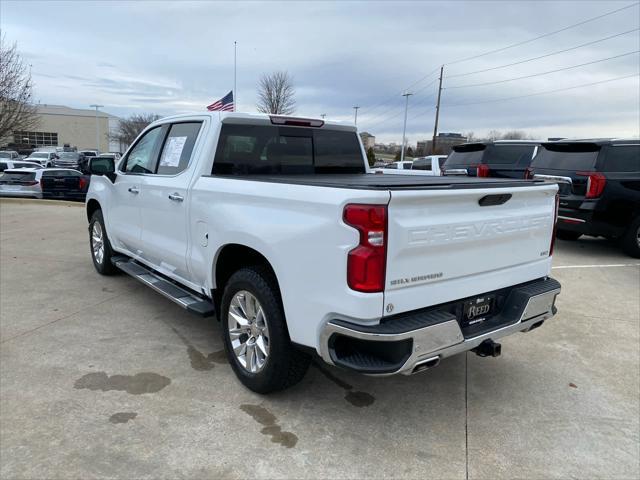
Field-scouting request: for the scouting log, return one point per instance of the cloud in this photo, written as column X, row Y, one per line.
column 171, row 57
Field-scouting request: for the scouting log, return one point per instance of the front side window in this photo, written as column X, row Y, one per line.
column 178, row 147
column 142, row 158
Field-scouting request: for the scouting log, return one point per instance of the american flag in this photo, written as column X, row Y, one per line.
column 225, row 104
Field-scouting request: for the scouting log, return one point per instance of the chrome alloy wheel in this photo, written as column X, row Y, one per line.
column 248, row 331
column 97, row 242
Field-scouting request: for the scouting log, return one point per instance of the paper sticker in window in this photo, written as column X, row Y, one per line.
column 172, row 151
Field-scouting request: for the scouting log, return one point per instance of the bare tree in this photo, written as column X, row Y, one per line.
column 129, row 128
column 17, row 113
column 275, row 94
column 515, row 135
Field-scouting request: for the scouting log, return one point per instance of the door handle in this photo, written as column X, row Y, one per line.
column 176, row 197
column 134, row 190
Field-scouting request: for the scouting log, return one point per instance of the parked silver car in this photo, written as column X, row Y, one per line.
column 21, row 182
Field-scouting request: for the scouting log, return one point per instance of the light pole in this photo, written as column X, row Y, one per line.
column 404, row 128
column 356, row 119
column 323, row 115
column 97, row 131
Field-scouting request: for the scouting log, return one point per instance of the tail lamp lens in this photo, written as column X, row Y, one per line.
column 482, row 170
column 367, row 262
column 595, row 183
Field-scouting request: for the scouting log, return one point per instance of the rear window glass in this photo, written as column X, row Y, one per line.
column 257, row 149
column 509, row 154
column 622, row 158
column 464, row 158
column 18, row 177
column 441, row 161
column 567, row 156
column 422, row 164
column 60, row 173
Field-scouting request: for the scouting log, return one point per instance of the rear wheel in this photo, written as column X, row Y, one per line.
column 101, row 252
column 255, row 333
column 568, row 235
column 631, row 239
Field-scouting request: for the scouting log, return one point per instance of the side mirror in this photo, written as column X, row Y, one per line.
column 102, row 166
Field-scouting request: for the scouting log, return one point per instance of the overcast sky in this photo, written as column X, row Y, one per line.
column 171, row 57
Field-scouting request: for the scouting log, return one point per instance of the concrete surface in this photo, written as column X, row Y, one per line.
column 102, row 377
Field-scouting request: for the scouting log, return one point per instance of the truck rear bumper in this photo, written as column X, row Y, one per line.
column 413, row 341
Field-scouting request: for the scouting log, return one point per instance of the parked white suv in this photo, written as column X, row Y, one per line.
column 277, row 224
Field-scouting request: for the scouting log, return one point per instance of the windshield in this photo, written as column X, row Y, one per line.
column 567, row 156
column 39, row 155
column 68, row 155
column 257, row 149
column 5, row 155
column 89, row 153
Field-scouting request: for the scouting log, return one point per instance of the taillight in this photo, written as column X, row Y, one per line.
column 595, row 183
column 555, row 224
column 82, row 183
column 482, row 170
column 366, row 263
column 528, row 173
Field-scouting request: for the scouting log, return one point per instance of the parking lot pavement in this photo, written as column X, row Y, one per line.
column 100, row 376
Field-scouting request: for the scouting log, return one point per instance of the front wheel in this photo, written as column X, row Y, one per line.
column 631, row 239
column 255, row 333
column 101, row 252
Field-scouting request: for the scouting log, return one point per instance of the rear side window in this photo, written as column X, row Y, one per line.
column 178, row 147
column 622, row 158
column 567, row 156
column 510, row 154
column 3, row 166
column 258, row 149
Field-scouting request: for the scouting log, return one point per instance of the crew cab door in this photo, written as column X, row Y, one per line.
column 124, row 220
column 164, row 205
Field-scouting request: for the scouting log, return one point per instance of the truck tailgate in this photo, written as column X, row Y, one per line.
column 445, row 245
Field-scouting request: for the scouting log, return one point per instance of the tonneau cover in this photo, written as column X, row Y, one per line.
column 370, row 181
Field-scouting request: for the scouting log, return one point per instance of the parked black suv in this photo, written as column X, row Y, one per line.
column 500, row 158
column 599, row 182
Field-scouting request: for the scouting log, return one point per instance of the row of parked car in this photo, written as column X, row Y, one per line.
column 48, row 174
column 598, row 179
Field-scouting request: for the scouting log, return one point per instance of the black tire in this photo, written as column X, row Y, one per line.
column 568, row 235
column 631, row 239
column 285, row 365
column 104, row 267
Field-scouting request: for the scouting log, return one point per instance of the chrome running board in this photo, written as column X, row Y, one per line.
column 187, row 299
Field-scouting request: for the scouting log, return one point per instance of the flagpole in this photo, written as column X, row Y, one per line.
column 235, row 93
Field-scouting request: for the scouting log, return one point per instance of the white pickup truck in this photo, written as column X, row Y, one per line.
column 276, row 225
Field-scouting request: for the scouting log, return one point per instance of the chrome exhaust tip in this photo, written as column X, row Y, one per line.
column 423, row 365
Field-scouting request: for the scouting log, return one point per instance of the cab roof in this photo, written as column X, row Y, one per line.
column 260, row 119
